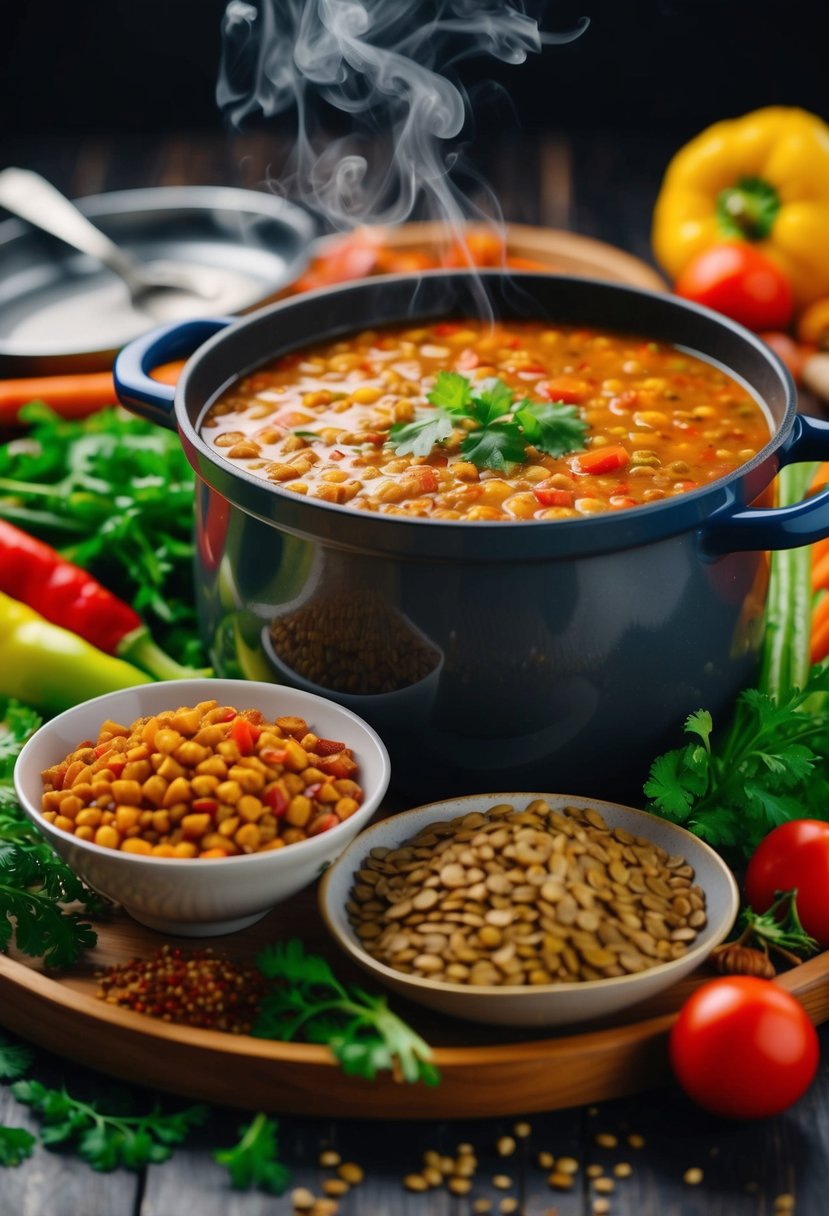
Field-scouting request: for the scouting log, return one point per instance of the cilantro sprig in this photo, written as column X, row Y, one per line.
column 498, row 429
column 107, row 1139
column 305, row 999
column 767, row 766
column 254, row 1160
column 34, row 882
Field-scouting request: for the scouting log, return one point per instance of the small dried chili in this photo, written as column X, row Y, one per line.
column 193, row 987
column 63, row 593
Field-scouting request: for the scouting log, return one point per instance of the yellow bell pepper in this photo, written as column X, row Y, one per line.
column 762, row 178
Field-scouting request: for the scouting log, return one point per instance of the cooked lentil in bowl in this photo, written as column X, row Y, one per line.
column 509, row 420
column 202, row 781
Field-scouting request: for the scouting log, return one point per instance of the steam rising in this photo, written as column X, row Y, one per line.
column 390, row 65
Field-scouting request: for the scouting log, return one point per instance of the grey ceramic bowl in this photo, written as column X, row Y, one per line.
column 546, row 1004
column 200, row 897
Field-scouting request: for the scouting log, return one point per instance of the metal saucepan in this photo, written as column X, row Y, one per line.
column 542, row 655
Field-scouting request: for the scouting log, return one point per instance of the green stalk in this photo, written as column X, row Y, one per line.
column 785, row 660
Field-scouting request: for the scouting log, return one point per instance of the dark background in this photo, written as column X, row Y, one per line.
column 664, row 65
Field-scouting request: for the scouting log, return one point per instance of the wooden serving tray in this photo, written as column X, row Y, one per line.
column 486, row 1071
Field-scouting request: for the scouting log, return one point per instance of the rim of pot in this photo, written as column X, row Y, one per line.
column 334, row 312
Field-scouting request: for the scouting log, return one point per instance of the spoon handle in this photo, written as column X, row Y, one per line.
column 33, row 198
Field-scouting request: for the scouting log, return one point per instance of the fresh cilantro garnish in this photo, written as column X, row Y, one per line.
column 767, row 767
column 15, row 1059
column 419, row 437
column 34, row 881
column 305, row 999
column 107, row 1140
column 253, row 1161
column 501, row 429
column 16, row 1144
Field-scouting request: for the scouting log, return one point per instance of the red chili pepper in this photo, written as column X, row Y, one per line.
column 323, row 823
column 66, row 595
column 276, row 800
column 272, row 755
column 337, row 766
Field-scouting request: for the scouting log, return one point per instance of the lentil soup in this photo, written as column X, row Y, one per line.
column 467, row 420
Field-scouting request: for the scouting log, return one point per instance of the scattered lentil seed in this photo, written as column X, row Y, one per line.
column 302, row 1199
column 336, row 1186
column 522, row 1129
column 606, row 1140
column 622, row 1169
column 432, row 1175
column 567, row 1165
column 784, row 1203
column 559, row 1181
column 502, row 1182
column 459, row 1186
column 351, row 1173
column 594, row 1171
column 188, row 987
column 329, row 1158
column 481, row 1206
column 693, row 1176
column 546, row 1160
column 604, row 1186
column 465, row 1150
column 636, row 1141
column 325, row 1207
column 415, row 1182
column 507, row 1205
column 505, row 1146
column 601, row 1207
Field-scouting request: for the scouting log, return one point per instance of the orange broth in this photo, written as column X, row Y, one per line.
column 659, row 421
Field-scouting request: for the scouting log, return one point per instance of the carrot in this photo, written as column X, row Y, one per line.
column 72, row 395
column 168, row 373
column 819, row 549
column 819, row 648
column 821, row 478
column 820, row 573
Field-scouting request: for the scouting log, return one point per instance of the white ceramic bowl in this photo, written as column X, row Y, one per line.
column 216, row 895
column 546, row 1004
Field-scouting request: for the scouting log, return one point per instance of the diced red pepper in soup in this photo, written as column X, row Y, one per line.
column 460, row 419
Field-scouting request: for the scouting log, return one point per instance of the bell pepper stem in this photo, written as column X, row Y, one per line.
column 139, row 648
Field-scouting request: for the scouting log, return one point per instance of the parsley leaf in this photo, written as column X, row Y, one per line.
column 419, row 437
column 16, row 1144
column 305, row 998
column 494, row 447
column 500, row 430
column 763, row 768
column 552, row 427
column 254, row 1160
column 104, row 1139
column 33, row 885
column 15, row 1059
column 451, row 392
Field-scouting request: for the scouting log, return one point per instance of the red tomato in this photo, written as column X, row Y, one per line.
column 736, row 279
column 794, row 855
column 744, row 1048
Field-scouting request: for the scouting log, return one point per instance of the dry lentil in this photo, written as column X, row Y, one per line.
column 329, row 1158
column 508, row 1204
column 459, row 1186
column 559, row 1181
column 502, row 1182
column 545, row 1160
column 594, row 1171
column 635, row 1140
column 606, row 1140
column 601, row 1207
column 693, row 1176
column 784, row 1203
column 622, row 1169
column 222, row 782
column 604, row 1186
column 351, row 1173
column 481, row 1206
column 567, row 1165
column 515, row 931
column 522, row 1129
column 336, row 1187
column 505, row 1146
column 189, row 987
column 302, row 1199
column 415, row 1182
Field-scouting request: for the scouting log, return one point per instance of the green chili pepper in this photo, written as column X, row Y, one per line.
column 44, row 665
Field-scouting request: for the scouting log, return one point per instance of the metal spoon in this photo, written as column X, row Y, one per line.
column 36, row 200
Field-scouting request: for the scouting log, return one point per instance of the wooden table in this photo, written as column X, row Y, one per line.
column 602, row 187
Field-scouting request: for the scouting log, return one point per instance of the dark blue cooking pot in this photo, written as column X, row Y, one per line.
column 558, row 655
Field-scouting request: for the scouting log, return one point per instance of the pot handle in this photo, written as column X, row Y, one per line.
column 136, row 389
column 729, row 530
